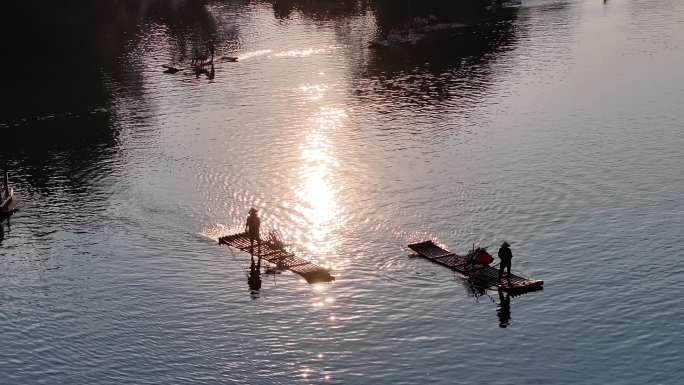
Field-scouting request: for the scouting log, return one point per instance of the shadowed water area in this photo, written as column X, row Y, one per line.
column 555, row 125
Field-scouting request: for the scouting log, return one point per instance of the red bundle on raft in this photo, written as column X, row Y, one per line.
column 482, row 257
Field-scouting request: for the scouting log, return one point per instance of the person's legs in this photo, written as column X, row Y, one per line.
column 501, row 269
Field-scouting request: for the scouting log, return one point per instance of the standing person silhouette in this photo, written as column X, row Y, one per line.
column 252, row 229
column 506, row 256
column 211, row 49
column 5, row 192
column 252, row 225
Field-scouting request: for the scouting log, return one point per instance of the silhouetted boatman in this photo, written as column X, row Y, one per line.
column 252, row 229
column 5, row 192
column 506, row 256
column 211, row 50
column 6, row 199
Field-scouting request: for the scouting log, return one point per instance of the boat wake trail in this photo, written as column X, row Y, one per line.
column 217, row 230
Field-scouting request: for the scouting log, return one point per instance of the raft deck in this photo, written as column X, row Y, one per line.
column 278, row 256
column 485, row 275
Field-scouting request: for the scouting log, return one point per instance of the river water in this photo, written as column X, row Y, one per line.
column 556, row 126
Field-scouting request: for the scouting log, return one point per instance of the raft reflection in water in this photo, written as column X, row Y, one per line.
column 503, row 307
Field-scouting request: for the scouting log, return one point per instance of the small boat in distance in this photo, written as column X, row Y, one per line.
column 8, row 203
column 171, row 70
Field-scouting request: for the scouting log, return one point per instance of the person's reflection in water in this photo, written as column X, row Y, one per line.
column 254, row 279
column 2, row 228
column 504, row 309
column 198, row 72
column 209, row 73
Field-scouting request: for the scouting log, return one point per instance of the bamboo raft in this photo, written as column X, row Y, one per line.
column 278, row 256
column 486, row 276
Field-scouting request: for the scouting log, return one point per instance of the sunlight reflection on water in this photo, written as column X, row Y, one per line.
column 352, row 152
column 318, row 187
column 301, row 53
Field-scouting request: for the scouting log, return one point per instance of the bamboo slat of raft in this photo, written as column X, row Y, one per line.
column 278, row 256
column 486, row 275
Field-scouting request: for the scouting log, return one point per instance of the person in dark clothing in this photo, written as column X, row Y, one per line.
column 252, row 228
column 211, row 50
column 5, row 191
column 506, row 256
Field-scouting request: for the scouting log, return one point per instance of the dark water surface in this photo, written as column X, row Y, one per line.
column 556, row 126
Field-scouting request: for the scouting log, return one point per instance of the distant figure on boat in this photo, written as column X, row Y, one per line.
column 252, row 228
column 202, row 59
column 5, row 186
column 506, row 256
column 170, row 70
column 8, row 203
column 211, row 50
